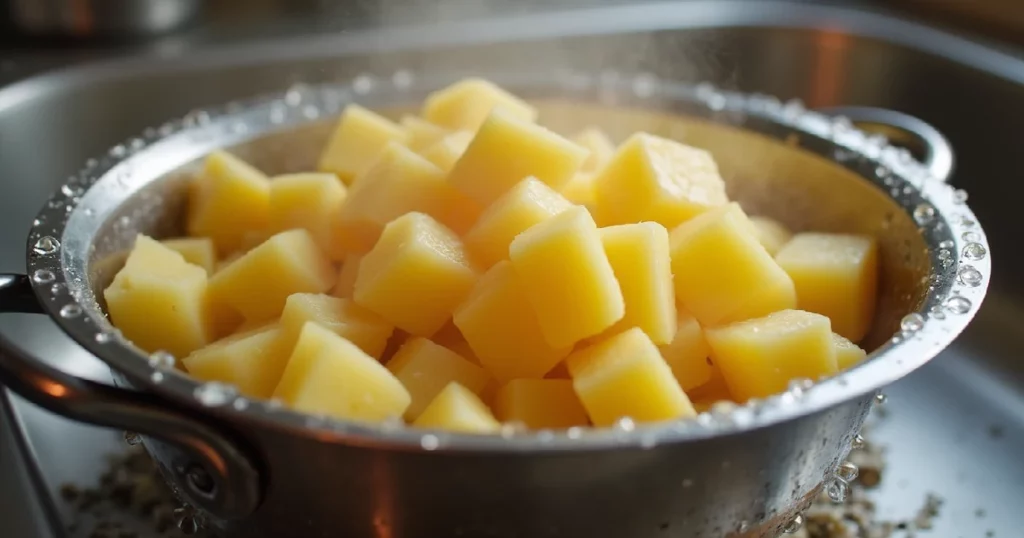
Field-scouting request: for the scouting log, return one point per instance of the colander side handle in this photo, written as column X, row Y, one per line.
column 218, row 477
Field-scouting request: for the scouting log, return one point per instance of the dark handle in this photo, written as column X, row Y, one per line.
column 217, row 476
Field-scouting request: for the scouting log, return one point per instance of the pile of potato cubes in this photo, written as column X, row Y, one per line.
column 467, row 268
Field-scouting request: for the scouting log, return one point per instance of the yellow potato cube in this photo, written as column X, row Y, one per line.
column 467, row 103
column 307, row 201
column 560, row 371
column 771, row 233
column 540, row 404
column 446, row 152
column 836, row 276
column 420, row 134
column 425, row 368
column 759, row 357
column 528, row 203
column 346, row 282
column 227, row 201
column 580, row 190
column 415, row 275
column 713, row 390
column 625, row 376
column 567, row 277
column 639, row 257
column 502, row 329
column 357, row 140
column 252, row 361
column 350, row 321
column 687, row 354
column 848, row 354
column 258, row 283
column 507, row 150
column 599, row 145
column 722, row 273
column 329, row 375
column 158, row 300
column 456, row 408
column 395, row 343
column 450, row 337
column 196, row 250
column 652, row 178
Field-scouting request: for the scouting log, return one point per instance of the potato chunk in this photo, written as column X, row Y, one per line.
column 540, row 403
column 258, row 283
column 502, row 329
column 759, row 357
column 342, row 316
column 528, row 203
column 507, row 150
column 446, row 152
column 416, row 274
column 639, row 257
column 196, row 250
column 835, row 275
column 420, row 134
column 567, row 277
column 425, row 368
column 722, row 273
column 848, row 354
column 599, row 146
column 687, row 353
column 456, row 408
column 771, row 233
column 227, row 201
column 307, row 201
column 346, row 282
column 252, row 361
column 467, row 103
column 158, row 300
column 652, row 178
column 357, row 139
column 625, row 376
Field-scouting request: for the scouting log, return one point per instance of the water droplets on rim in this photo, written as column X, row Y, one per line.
column 794, row 524
column 46, row 245
column 974, row 251
column 430, row 442
column 924, row 214
column 848, row 471
column 837, row 490
column 70, row 311
column 968, row 275
column 43, row 276
column 912, row 322
column 958, row 304
column 214, row 393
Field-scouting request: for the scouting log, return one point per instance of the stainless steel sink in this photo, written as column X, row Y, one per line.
column 955, row 428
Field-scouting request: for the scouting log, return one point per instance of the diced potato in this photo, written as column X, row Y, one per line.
column 446, row 152
column 329, row 375
column 507, row 150
column 258, row 283
column 307, row 201
column 639, row 257
column 771, row 233
column 848, row 354
column 660, row 180
column 540, row 403
column 397, row 340
column 425, row 368
column 560, row 371
column 456, row 408
column 599, row 145
column 227, row 260
column 836, row 276
column 722, row 273
column 713, row 390
column 580, row 190
column 420, row 134
column 467, row 103
column 567, row 277
column 357, row 140
column 450, row 337
column 228, row 201
column 528, row 203
column 416, row 274
column 342, row 316
column 625, row 376
column 346, row 282
column 222, row 319
column 687, row 353
column 196, row 250
column 158, row 300
column 502, row 329
column 253, row 361
column 759, row 357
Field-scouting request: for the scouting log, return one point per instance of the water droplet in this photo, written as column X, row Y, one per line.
column 196, row 117
column 947, row 244
column 794, row 524
column 71, row 191
column 848, row 471
column 625, row 424
column 744, row 526
column 837, row 490
column 124, row 221
column 56, row 288
column 273, row 404
column 156, row 377
column 363, row 84
column 430, row 442
column 293, row 97
column 132, row 438
column 574, row 432
column 162, row 360
column 959, row 196
column 924, row 214
column 966, row 221
column 936, row 312
column 858, row 442
column 43, row 276
column 975, row 251
column 310, row 112
column 70, row 310
column 545, row 436
column 912, row 322
column 723, row 408
column 118, row 151
column 277, row 114
column 510, row 429
column 402, row 79
column 104, row 338
column 214, row 393
column 970, row 276
column 971, row 236
column 880, row 398
column 958, row 305
column 240, row 404
column 46, row 245
column 392, row 424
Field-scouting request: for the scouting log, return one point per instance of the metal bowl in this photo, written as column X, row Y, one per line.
column 258, row 470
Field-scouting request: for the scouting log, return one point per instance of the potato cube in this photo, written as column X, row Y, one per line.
column 625, row 376
column 501, row 327
column 253, row 361
column 652, row 178
column 507, row 150
column 420, row 134
column 580, row 190
column 342, row 316
column 687, row 354
column 227, row 201
column 759, row 357
column 639, row 257
column 456, row 408
column 158, row 300
column 307, row 201
column 450, row 337
column 467, row 103
column 196, row 250
column 258, row 283
column 848, row 354
column 540, row 403
column 416, row 274
column 425, row 368
column 722, row 273
column 771, row 233
column 397, row 340
column 528, row 203
column 567, row 277
column 346, row 281
column 357, row 140
column 446, row 152
column 713, row 390
column 836, row 276
column 599, row 145
column 329, row 375
column 560, row 371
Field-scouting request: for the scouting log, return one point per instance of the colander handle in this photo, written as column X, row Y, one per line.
column 217, row 475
